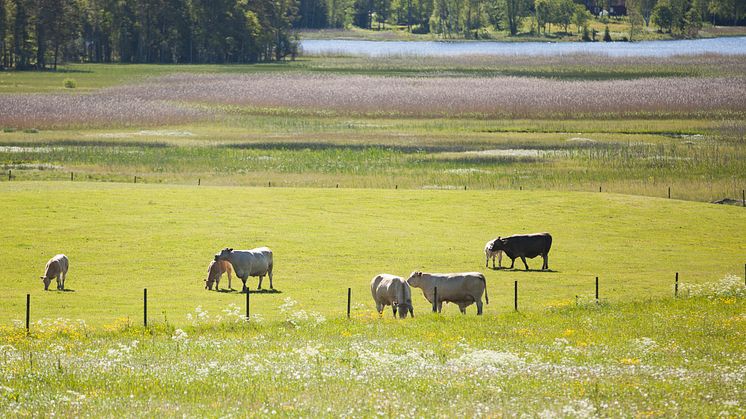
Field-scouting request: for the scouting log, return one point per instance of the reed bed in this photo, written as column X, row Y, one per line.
column 91, row 110
column 451, row 96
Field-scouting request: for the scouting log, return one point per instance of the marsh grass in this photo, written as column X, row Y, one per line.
column 699, row 169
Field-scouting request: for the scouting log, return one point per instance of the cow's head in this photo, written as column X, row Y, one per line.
column 497, row 244
column 415, row 279
column 403, row 308
column 46, row 282
column 208, row 284
column 223, row 255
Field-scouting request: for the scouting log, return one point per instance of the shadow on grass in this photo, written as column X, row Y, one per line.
column 551, row 271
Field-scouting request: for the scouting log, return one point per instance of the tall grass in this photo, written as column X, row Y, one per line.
column 439, row 96
column 582, row 360
column 701, row 170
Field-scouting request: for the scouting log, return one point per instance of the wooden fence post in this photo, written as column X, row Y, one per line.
column 199, row 181
column 28, row 313
column 248, row 304
column 145, row 307
column 435, row 300
column 71, row 176
column 743, row 197
column 596, row 290
column 135, row 179
column 515, row 296
column 10, row 175
column 669, row 192
column 349, row 299
column 676, row 286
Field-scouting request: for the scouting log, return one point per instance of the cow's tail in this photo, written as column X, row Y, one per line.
column 486, row 298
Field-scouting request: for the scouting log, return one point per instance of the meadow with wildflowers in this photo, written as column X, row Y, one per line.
column 636, row 351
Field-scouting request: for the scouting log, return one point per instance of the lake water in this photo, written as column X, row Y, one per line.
column 730, row 46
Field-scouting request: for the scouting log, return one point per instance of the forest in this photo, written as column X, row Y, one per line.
column 39, row 34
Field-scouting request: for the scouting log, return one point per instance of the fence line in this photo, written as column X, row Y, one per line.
column 349, row 300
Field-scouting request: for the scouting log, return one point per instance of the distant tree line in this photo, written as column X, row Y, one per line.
column 37, row 34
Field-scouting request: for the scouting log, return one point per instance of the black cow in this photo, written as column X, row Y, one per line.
column 525, row 246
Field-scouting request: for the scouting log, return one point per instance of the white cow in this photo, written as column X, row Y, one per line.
column 56, row 268
column 390, row 290
column 246, row 263
column 215, row 271
column 488, row 253
column 462, row 289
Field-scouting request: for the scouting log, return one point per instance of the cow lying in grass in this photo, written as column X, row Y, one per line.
column 56, row 268
column 488, row 253
column 462, row 289
column 246, row 263
column 390, row 290
column 525, row 246
column 215, row 271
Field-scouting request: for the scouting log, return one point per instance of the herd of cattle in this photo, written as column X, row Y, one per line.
column 462, row 289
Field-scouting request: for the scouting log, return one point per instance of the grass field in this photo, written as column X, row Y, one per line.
column 163, row 238
column 557, row 123
column 638, row 352
column 424, row 180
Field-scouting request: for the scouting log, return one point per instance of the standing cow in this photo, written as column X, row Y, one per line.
column 525, row 246
column 390, row 290
column 246, row 263
column 488, row 253
column 215, row 270
column 56, row 268
column 462, row 289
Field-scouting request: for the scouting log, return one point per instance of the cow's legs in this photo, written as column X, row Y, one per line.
column 512, row 263
column 230, row 287
column 64, row 276
column 439, row 306
column 499, row 260
column 244, row 289
column 546, row 261
column 261, row 277
column 462, row 308
column 523, row 258
column 411, row 310
column 270, row 277
column 487, row 261
column 479, row 307
column 59, row 282
column 393, row 308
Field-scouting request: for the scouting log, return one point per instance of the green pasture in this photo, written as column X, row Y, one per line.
column 122, row 238
column 637, row 352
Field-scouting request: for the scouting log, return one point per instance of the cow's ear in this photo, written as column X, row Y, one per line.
column 230, row 249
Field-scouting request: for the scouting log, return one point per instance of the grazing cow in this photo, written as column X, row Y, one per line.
column 525, row 246
column 462, row 289
column 390, row 290
column 246, row 263
column 215, row 271
column 488, row 253
column 56, row 268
